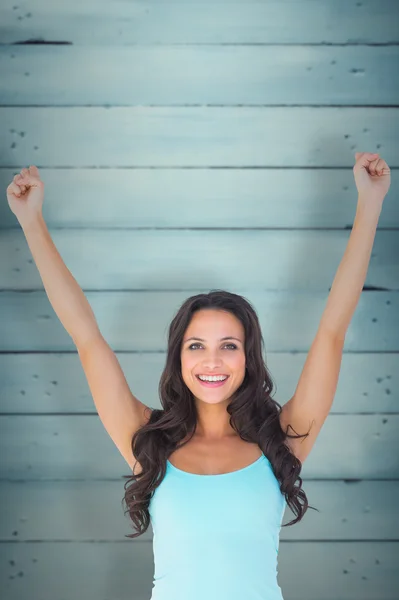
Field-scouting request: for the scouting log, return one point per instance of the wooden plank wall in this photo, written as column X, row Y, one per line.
column 187, row 146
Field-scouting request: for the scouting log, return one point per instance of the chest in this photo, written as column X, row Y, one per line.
column 245, row 501
column 215, row 458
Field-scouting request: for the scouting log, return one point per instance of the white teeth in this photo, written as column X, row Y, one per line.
column 214, row 378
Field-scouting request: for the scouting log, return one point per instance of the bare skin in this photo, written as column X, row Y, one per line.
column 215, row 458
column 215, row 447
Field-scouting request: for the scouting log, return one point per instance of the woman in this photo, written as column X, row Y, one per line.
column 215, row 468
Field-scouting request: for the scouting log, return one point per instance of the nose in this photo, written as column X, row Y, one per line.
column 212, row 362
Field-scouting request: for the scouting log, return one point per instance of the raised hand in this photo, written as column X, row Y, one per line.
column 25, row 195
column 372, row 178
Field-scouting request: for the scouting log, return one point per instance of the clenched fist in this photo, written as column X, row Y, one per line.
column 25, row 195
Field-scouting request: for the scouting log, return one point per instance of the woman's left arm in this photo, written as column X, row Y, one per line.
column 372, row 177
column 308, row 408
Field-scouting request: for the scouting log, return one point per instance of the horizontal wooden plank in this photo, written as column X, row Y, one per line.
column 55, row 383
column 348, row 571
column 240, row 198
column 78, row 447
column 210, row 21
column 122, row 571
column 138, row 321
column 198, row 75
column 247, row 259
column 364, row 510
column 204, row 136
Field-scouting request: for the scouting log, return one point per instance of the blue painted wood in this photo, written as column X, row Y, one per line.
column 203, row 21
column 138, row 320
column 361, row 510
column 345, row 570
column 269, row 198
column 206, row 136
column 202, row 75
column 54, row 383
column 187, row 260
column 77, row 446
column 185, row 115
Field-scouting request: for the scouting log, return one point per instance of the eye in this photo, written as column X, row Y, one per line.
column 233, row 345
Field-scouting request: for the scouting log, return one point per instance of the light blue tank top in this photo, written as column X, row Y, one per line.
column 217, row 536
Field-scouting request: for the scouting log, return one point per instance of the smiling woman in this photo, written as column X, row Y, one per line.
column 237, row 416
column 214, row 448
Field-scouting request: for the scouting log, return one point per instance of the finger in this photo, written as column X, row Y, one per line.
column 366, row 161
column 383, row 165
column 27, row 178
column 370, row 158
column 373, row 166
column 24, row 175
column 379, row 166
column 18, row 190
column 18, row 179
column 15, row 189
column 34, row 171
column 382, row 168
column 363, row 159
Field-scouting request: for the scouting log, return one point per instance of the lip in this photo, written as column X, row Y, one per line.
column 211, row 384
column 213, row 374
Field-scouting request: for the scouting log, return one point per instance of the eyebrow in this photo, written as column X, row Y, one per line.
column 229, row 337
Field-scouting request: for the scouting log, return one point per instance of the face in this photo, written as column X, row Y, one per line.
column 213, row 355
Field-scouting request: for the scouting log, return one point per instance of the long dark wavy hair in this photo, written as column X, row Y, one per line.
column 254, row 415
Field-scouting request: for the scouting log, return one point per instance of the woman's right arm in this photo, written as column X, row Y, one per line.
column 65, row 295
column 119, row 410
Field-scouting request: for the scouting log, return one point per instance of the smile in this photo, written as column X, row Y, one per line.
column 212, row 384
